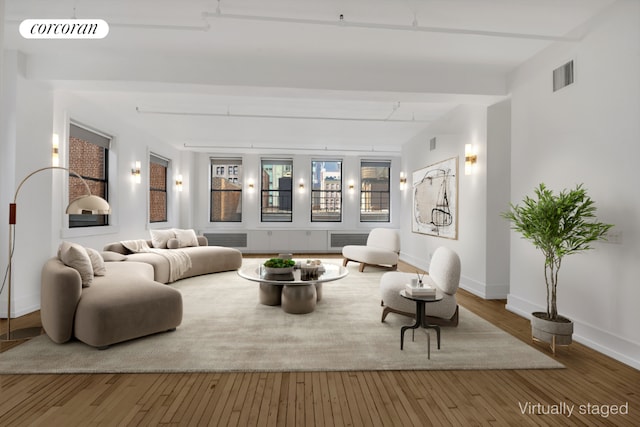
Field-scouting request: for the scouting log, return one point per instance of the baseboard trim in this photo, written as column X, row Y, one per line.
column 484, row 290
column 616, row 347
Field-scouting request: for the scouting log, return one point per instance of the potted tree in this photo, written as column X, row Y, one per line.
column 559, row 225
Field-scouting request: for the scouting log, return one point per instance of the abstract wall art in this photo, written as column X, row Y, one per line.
column 435, row 199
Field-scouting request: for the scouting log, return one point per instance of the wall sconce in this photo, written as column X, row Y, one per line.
column 135, row 173
column 250, row 186
column 352, row 186
column 179, row 182
column 470, row 158
column 55, row 156
column 403, row 181
column 301, row 186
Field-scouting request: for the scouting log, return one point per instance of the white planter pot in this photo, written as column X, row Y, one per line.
column 553, row 333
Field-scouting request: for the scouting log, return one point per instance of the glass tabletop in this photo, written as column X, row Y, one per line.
column 300, row 276
column 437, row 297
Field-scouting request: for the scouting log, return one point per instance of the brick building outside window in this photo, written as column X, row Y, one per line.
column 88, row 157
column 375, row 191
column 226, row 190
column 158, row 167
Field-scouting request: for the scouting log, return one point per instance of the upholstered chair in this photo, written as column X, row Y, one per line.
column 444, row 273
column 382, row 249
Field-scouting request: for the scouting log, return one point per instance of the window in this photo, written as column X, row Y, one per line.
column 88, row 157
column 326, row 191
column 276, row 191
column 158, row 167
column 226, row 190
column 374, row 191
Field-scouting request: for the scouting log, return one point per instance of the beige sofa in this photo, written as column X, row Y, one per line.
column 122, row 303
column 204, row 259
column 102, row 303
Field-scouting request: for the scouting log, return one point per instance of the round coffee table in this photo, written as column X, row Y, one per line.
column 296, row 292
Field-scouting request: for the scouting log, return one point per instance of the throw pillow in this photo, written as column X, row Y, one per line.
column 110, row 256
column 96, row 262
column 173, row 243
column 186, row 238
column 74, row 256
column 159, row 238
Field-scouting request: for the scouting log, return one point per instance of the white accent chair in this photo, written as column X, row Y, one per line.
column 444, row 273
column 382, row 249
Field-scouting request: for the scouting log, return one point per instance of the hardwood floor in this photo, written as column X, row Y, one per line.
column 379, row 398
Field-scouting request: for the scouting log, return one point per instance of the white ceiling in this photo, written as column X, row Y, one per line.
column 289, row 73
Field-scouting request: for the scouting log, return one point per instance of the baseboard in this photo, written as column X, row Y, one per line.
column 20, row 307
column 616, row 347
column 521, row 307
column 416, row 262
column 484, row 290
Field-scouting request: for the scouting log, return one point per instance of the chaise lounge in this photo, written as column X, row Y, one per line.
column 119, row 303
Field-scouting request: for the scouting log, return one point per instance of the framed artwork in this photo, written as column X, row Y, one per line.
column 435, row 199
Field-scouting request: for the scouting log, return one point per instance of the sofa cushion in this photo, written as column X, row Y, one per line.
column 75, row 256
column 186, row 238
column 113, row 311
column 212, row 259
column 110, row 256
column 159, row 238
column 370, row 255
column 159, row 264
column 97, row 262
column 125, row 303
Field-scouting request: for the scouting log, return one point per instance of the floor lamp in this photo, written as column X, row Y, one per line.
column 83, row 205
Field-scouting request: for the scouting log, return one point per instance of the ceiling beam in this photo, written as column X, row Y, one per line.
column 413, row 27
column 277, row 116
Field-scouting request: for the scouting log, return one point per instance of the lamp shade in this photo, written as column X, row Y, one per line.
column 89, row 205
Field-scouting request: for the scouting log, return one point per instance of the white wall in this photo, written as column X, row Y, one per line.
column 27, row 112
column 464, row 125
column 129, row 201
column 36, row 114
column 498, row 191
column 585, row 133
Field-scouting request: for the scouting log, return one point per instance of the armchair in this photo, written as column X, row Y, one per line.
column 382, row 249
column 444, row 273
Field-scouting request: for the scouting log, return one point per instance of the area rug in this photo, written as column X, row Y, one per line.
column 225, row 328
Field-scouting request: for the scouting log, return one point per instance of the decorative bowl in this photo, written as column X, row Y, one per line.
column 281, row 270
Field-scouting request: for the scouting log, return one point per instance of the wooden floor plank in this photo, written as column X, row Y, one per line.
column 274, row 383
column 206, row 400
column 339, row 403
column 332, row 398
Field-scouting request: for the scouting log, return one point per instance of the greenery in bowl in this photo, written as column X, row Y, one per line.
column 279, row 263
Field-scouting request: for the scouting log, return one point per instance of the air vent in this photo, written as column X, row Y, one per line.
column 339, row 240
column 432, row 144
column 230, row 240
column 563, row 76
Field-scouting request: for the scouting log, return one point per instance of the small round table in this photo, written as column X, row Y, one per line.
column 297, row 293
column 421, row 321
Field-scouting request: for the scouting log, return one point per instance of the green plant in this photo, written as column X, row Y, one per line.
column 279, row 263
column 558, row 225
